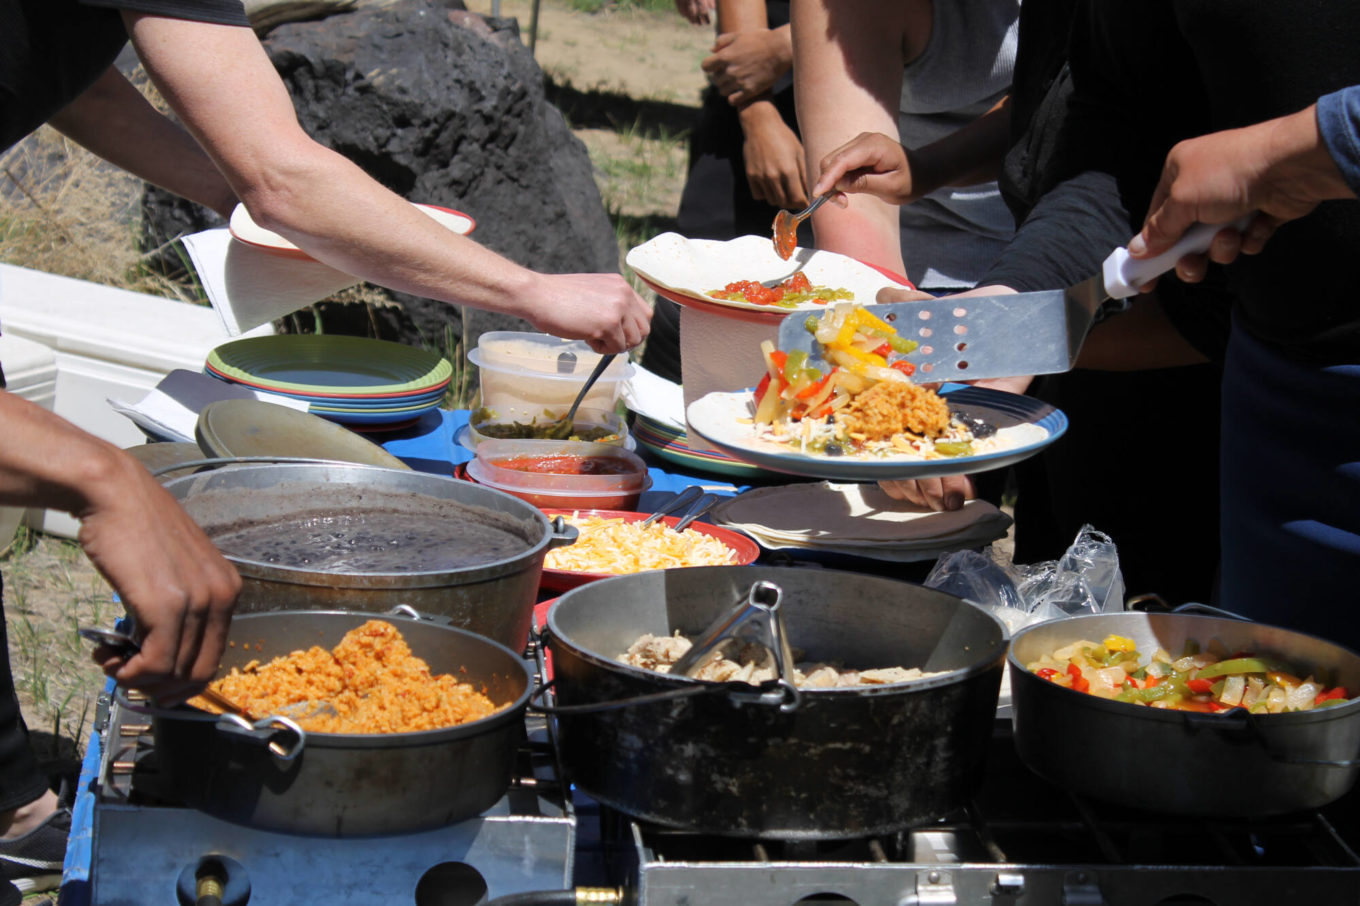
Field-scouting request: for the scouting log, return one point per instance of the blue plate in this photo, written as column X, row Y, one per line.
column 724, row 420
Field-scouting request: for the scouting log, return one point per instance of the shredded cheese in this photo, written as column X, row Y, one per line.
column 618, row 547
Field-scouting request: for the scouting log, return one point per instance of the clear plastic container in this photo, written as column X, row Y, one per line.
column 481, row 427
column 580, row 475
column 524, row 376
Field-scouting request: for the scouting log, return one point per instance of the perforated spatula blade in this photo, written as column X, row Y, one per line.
column 973, row 337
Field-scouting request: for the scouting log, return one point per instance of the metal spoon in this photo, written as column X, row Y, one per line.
column 683, row 499
column 706, row 503
column 561, row 429
column 786, row 226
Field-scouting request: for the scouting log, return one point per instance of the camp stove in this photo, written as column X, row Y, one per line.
column 148, row 850
column 1022, row 841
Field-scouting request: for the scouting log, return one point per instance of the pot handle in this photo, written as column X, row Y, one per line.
column 562, row 534
column 282, row 735
column 1239, row 723
column 1154, row 603
column 774, row 693
column 406, row 610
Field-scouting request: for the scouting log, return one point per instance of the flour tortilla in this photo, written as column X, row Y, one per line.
column 695, row 267
column 852, row 515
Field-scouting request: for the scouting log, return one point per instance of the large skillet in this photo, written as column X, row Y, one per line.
column 1230, row 764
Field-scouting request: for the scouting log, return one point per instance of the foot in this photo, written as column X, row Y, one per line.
column 26, row 817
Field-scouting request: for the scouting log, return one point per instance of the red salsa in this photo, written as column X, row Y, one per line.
column 567, row 465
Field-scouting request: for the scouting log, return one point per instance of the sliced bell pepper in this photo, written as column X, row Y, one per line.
column 1079, row 682
column 1199, row 684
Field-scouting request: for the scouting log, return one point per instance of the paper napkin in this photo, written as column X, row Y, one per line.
column 249, row 286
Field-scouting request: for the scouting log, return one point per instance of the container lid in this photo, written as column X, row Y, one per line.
column 542, row 353
column 238, row 427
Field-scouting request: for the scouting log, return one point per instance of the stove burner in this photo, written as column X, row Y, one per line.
column 1021, row 841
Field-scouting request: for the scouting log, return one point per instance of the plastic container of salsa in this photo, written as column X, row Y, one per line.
column 562, row 474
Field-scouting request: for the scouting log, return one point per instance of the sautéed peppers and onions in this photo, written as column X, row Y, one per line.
column 1209, row 681
column 867, row 403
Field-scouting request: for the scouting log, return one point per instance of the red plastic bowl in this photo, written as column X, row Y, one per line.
column 565, row 579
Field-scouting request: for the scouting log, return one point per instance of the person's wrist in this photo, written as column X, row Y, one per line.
column 1296, row 140
column 758, row 111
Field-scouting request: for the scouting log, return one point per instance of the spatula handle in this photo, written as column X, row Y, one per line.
column 1124, row 274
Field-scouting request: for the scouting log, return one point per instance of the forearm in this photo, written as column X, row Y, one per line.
column 45, row 461
column 741, row 15
column 969, row 156
column 113, row 120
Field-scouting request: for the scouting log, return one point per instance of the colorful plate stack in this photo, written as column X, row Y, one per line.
column 672, row 445
column 366, row 384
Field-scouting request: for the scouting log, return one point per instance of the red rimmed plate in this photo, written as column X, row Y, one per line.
column 685, row 271
column 243, row 228
column 564, row 580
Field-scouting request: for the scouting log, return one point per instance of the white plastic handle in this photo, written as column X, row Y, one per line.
column 1124, row 274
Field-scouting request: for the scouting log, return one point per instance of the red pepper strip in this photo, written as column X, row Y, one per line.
column 1199, row 685
column 884, row 349
column 1079, row 682
column 1151, row 681
column 813, row 389
column 1337, row 692
column 1046, row 673
column 906, row 368
column 762, row 387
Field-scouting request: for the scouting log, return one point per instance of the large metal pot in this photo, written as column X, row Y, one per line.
column 723, row 759
column 273, row 777
column 494, row 599
column 1230, row 764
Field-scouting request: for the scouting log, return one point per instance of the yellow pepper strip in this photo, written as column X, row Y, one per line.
column 865, row 319
column 1119, row 643
column 845, row 335
column 867, row 358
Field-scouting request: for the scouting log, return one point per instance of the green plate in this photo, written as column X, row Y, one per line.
column 328, row 364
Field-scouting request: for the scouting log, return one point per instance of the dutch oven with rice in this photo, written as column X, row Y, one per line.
column 887, row 729
column 349, row 537
column 413, row 724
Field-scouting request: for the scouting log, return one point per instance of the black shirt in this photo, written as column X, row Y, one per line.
column 52, row 50
column 1148, row 73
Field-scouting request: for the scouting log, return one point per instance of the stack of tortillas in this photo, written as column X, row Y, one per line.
column 858, row 520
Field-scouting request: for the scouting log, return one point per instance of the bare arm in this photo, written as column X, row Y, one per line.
column 747, row 60
column 160, row 563
column 112, row 119
column 221, row 84
column 847, row 68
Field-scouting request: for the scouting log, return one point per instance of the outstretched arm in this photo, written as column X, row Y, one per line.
column 222, row 86
column 1280, row 169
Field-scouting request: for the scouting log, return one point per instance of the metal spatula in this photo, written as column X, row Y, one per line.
column 973, row 337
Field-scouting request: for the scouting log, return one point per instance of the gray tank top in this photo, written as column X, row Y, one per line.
column 950, row 237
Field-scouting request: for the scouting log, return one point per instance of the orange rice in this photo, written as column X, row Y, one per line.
column 895, row 407
column 371, row 678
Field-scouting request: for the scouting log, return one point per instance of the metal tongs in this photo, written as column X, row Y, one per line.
column 684, row 499
column 756, row 617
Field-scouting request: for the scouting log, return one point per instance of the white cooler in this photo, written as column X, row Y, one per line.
column 107, row 343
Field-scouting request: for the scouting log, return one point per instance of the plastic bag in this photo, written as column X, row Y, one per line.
column 1085, row 580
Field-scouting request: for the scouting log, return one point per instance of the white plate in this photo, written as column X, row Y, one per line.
column 724, row 420
column 694, row 267
column 248, row 231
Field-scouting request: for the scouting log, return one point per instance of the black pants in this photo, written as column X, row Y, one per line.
column 1138, row 462
column 20, row 780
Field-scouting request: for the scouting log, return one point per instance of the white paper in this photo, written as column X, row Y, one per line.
column 649, row 394
column 248, row 286
column 170, row 410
